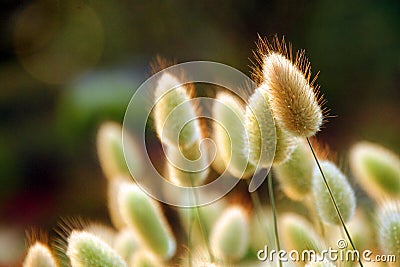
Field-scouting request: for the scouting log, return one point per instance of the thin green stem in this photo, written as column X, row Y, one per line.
column 203, row 229
column 255, row 198
column 272, row 200
column 334, row 201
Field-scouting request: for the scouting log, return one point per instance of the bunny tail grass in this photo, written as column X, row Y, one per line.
column 272, row 200
column 333, row 200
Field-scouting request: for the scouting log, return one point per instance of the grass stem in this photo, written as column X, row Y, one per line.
column 272, row 200
column 334, row 201
column 203, row 229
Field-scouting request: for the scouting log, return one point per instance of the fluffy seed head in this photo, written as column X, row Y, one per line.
column 388, row 227
column 293, row 97
column 229, row 131
column 145, row 217
column 260, row 129
column 104, row 232
column 209, row 214
column 174, row 113
column 39, row 255
column 230, row 234
column 295, row 174
column 342, row 192
column 187, row 166
column 110, row 150
column 376, row 169
column 298, row 234
column 85, row 249
column 126, row 243
column 143, row 258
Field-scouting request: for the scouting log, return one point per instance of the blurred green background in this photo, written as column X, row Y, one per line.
column 66, row 66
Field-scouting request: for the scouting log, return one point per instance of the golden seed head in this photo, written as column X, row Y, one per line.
column 293, row 98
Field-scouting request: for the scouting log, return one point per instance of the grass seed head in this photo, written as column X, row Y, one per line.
column 144, row 216
column 376, row 169
column 341, row 190
column 295, row 174
column 230, row 235
column 110, row 150
column 39, row 255
column 85, row 249
column 230, row 135
column 294, row 99
column 388, row 227
column 174, row 113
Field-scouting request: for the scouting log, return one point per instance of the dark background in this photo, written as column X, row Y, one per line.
column 66, row 66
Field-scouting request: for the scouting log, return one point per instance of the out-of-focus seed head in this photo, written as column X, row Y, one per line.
column 230, row 235
column 110, row 150
column 295, row 174
column 126, row 243
column 187, row 167
column 260, row 129
column 174, row 113
column 264, row 133
column 341, row 190
column 298, row 234
column 376, row 169
column 388, row 227
column 143, row 258
column 39, row 255
column 230, row 135
column 144, row 216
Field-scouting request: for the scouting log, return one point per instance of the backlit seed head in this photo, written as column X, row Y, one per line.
column 264, row 133
column 104, row 232
column 110, row 150
column 298, row 234
column 143, row 258
column 388, row 227
column 295, row 174
column 144, row 216
column 260, row 129
column 113, row 189
column 376, row 169
column 209, row 214
column 187, row 167
column 85, row 249
column 126, row 243
column 293, row 97
column 285, row 145
column 39, row 255
column 174, row 113
column 230, row 235
column 342, row 192
column 229, row 131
